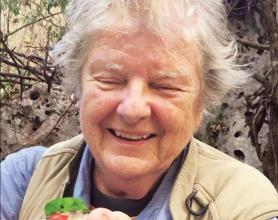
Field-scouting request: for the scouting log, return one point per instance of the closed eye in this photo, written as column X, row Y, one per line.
column 111, row 81
column 164, row 87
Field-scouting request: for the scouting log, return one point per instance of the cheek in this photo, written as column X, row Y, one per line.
column 96, row 106
column 172, row 115
column 177, row 119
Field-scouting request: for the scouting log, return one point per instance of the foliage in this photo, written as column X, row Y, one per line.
column 29, row 29
column 260, row 17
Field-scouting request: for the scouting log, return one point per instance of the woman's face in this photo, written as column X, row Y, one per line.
column 140, row 103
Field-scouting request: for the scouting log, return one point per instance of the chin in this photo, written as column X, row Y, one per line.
column 129, row 167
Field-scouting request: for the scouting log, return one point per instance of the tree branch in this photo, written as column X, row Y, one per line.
column 31, row 23
column 272, row 31
column 15, row 82
column 13, row 75
column 73, row 101
column 31, row 70
column 262, row 80
column 253, row 45
column 14, row 58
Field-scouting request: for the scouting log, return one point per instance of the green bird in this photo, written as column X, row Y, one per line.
column 65, row 205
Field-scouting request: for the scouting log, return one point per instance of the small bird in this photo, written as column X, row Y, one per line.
column 66, row 209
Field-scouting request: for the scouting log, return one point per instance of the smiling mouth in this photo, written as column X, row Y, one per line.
column 130, row 137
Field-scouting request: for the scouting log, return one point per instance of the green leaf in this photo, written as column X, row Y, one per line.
column 67, row 204
column 64, row 3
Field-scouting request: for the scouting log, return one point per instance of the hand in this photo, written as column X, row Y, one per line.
column 106, row 214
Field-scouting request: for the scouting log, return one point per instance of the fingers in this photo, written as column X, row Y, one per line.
column 106, row 214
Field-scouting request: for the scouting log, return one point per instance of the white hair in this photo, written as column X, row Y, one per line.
column 203, row 21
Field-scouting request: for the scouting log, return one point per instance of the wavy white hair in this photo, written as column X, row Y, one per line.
column 204, row 22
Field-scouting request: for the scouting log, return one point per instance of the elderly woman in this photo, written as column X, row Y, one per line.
column 144, row 71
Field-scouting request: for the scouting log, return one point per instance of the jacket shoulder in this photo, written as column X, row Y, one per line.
column 69, row 146
column 50, row 177
column 212, row 162
column 234, row 187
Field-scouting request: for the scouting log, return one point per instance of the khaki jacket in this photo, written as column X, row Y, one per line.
column 208, row 180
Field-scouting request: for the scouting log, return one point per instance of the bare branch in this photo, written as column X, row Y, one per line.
column 268, row 7
column 262, row 79
column 30, row 69
column 14, row 75
column 31, row 23
column 13, row 57
column 15, row 82
column 62, row 116
column 253, row 45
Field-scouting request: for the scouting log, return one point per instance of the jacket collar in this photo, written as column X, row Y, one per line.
column 184, row 183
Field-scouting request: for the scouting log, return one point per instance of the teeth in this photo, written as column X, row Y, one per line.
column 129, row 136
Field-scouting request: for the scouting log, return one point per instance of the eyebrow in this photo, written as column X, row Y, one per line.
column 174, row 75
column 168, row 74
column 113, row 67
column 100, row 63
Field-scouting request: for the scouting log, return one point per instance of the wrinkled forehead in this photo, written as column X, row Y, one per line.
column 144, row 44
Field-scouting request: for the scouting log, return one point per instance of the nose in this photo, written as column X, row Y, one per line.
column 134, row 106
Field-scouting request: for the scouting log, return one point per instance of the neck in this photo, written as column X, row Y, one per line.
column 117, row 187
